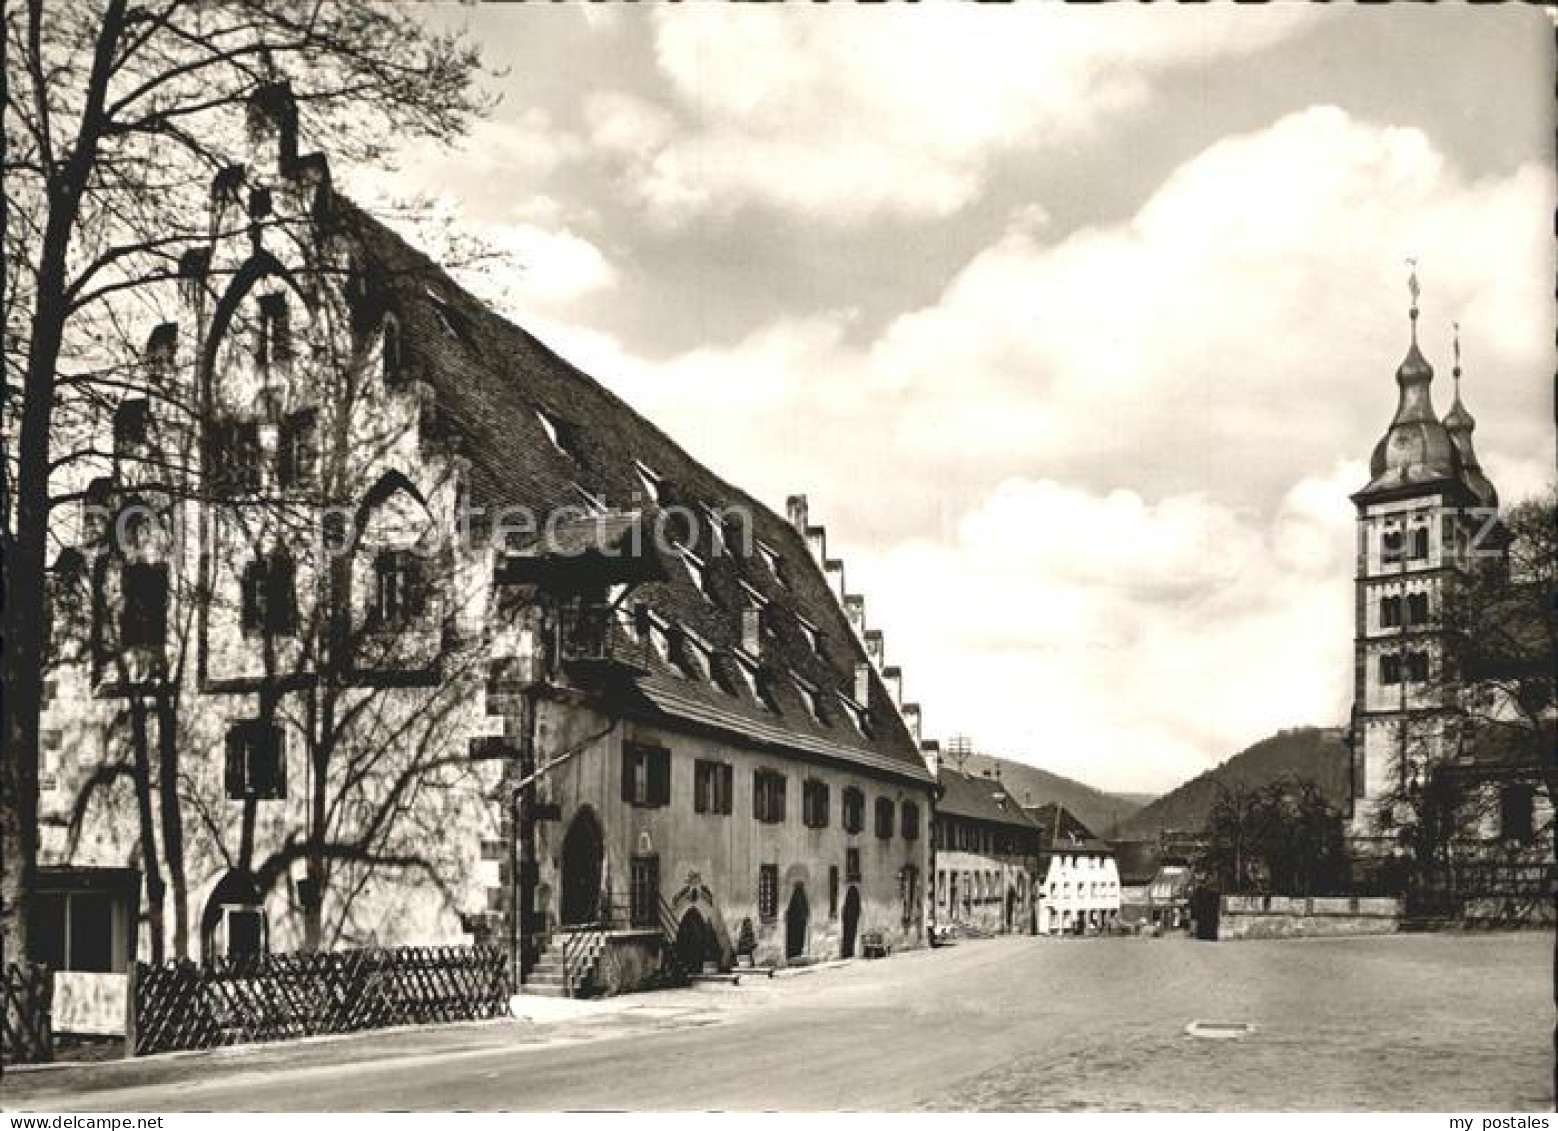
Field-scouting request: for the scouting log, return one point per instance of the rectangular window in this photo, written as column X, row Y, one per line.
column 297, row 453
column 1390, row 612
column 275, row 340
column 833, row 891
column 814, row 803
column 1419, row 544
column 1417, row 608
column 768, row 891
column 73, row 930
column 768, row 796
column 646, row 775
column 143, row 617
column 269, row 600
column 884, row 818
column 854, row 810
column 1390, row 669
column 256, row 761
column 911, row 821
column 712, row 787
column 1417, row 667
column 132, row 421
column 399, row 589
column 1391, row 546
column 852, row 865
column 1517, row 812
column 234, row 460
column 644, row 891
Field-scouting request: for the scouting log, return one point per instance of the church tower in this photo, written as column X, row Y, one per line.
column 1423, row 506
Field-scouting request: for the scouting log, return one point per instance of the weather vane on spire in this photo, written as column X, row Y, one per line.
column 1412, row 284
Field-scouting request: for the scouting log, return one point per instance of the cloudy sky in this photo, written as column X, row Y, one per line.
column 1075, row 325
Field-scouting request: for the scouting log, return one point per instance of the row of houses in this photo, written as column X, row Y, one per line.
column 376, row 622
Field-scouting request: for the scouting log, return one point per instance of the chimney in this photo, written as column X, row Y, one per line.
column 911, row 718
column 795, row 507
column 875, row 648
column 273, row 116
column 855, row 610
column 817, row 542
column 893, row 677
column 863, row 684
column 751, row 630
column 834, row 570
column 930, row 750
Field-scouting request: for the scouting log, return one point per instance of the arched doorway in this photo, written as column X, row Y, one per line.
column 695, row 943
column 796, row 918
column 583, row 852
column 850, row 921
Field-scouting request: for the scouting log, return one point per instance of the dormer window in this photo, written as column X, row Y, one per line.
column 748, row 673
column 450, row 320
column 766, row 692
column 718, row 536
column 858, row 715
column 593, row 503
column 650, row 479
column 275, row 337
column 656, row 632
column 812, row 633
column 774, row 562
column 691, row 655
column 563, row 435
column 812, row 696
column 697, row 570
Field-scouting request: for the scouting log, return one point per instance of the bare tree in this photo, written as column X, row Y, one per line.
column 117, row 117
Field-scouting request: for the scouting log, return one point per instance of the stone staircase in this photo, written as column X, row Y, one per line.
column 566, row 968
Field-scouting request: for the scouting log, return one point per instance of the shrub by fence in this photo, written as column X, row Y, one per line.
column 26, row 1030
column 182, row 1005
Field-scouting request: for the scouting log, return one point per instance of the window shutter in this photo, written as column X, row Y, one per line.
column 629, row 756
column 727, row 788
column 235, row 760
column 703, row 784
column 660, row 777
column 280, row 597
column 278, row 749
column 780, row 790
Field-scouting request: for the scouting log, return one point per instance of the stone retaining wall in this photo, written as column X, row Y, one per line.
column 1279, row 917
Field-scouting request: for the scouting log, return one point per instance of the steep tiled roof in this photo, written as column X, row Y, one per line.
column 980, row 799
column 1062, row 832
column 537, row 432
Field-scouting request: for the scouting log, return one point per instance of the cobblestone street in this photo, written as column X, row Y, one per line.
column 1438, row 1023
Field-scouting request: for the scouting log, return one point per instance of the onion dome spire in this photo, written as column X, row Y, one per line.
column 1460, row 424
column 1416, row 448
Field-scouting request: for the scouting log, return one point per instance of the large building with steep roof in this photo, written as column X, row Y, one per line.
column 381, row 623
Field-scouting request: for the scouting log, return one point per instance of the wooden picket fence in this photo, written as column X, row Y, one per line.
column 184, row 1005
column 26, row 1003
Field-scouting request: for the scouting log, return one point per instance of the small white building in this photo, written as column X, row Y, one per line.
column 1078, row 890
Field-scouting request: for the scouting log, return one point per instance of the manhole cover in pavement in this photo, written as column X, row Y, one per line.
column 1219, row 1030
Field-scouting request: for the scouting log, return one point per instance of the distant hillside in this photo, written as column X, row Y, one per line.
column 1033, row 786
column 1306, row 752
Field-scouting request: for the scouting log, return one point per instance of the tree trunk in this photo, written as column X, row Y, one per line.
column 156, row 890
column 21, row 623
column 172, row 819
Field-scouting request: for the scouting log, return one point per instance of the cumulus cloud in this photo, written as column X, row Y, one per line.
column 1127, row 641
column 844, row 114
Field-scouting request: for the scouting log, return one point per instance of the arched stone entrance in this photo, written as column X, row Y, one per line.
column 850, row 923
column 797, row 918
column 582, row 862
column 695, row 942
